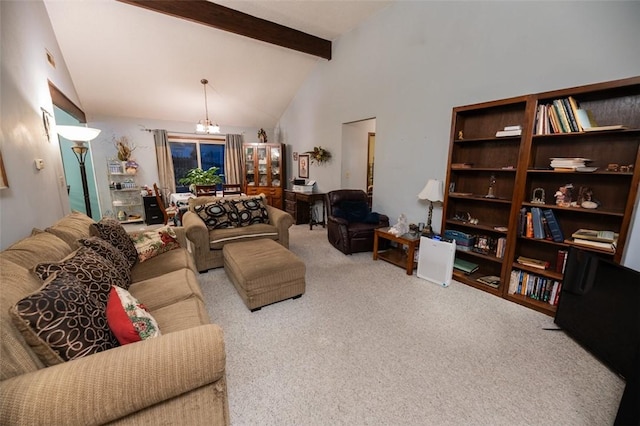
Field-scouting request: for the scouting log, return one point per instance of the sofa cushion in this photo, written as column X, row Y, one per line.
column 249, row 211
column 87, row 266
column 113, row 231
column 65, row 319
column 219, row 237
column 41, row 247
column 128, row 319
column 160, row 265
column 71, row 228
column 151, row 243
column 167, row 289
column 109, row 252
column 217, row 214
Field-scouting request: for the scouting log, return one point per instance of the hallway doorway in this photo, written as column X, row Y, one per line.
column 358, row 154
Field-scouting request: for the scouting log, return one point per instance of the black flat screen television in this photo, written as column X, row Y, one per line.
column 599, row 307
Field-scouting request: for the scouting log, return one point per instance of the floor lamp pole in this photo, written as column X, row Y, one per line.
column 81, row 153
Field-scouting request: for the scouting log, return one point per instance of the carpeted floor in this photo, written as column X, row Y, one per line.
column 369, row 345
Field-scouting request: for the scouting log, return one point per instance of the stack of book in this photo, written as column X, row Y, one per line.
column 533, row 263
column 601, row 240
column 568, row 164
column 509, row 131
column 540, row 224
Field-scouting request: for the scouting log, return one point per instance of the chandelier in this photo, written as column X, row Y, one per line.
column 205, row 126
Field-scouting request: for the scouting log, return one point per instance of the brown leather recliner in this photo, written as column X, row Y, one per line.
column 350, row 224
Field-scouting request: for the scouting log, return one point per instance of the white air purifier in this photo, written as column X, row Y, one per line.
column 435, row 261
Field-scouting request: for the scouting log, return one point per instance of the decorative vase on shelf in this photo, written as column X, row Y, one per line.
column 122, row 215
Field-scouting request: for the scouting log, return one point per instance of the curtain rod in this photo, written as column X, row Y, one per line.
column 185, row 133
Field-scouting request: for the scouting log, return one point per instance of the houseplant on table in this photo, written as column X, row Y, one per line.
column 198, row 177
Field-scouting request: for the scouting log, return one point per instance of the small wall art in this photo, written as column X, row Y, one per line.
column 303, row 166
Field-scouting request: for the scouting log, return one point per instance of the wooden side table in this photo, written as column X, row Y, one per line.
column 397, row 255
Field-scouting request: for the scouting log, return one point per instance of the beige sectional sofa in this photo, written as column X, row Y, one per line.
column 207, row 241
column 176, row 378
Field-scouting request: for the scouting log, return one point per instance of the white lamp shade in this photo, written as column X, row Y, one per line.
column 77, row 133
column 432, row 191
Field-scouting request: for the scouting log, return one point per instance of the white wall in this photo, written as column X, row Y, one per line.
column 411, row 63
column 34, row 198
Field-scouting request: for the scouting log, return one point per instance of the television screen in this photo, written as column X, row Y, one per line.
column 599, row 307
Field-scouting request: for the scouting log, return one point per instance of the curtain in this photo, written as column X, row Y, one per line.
column 167, row 183
column 233, row 159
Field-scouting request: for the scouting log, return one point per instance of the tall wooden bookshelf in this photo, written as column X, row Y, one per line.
column 509, row 169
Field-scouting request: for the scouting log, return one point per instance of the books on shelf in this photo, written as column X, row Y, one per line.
column 595, row 235
column 608, row 247
column 506, row 133
column 534, row 263
column 490, row 280
column 570, row 164
column 564, row 115
column 561, row 261
column 554, row 226
column 465, row 266
column 534, row 286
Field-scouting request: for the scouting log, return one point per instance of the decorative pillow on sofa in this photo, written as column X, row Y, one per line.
column 250, row 210
column 65, row 319
column 88, row 267
column 151, row 243
column 129, row 320
column 109, row 252
column 217, row 215
column 113, row 231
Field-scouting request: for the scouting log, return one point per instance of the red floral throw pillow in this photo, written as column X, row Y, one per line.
column 128, row 319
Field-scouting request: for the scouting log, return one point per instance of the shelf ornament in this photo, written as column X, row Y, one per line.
column 319, row 154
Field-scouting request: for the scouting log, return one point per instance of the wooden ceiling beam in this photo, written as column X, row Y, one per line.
column 223, row 18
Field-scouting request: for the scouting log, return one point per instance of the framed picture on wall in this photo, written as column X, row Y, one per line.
column 303, row 166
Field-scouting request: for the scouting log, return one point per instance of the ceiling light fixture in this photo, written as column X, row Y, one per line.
column 205, row 126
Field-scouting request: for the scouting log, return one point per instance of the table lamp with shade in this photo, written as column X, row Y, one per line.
column 433, row 192
column 79, row 135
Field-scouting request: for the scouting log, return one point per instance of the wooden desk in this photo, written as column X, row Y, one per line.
column 397, row 255
column 300, row 206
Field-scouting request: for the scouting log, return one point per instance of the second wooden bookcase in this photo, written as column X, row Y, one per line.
column 490, row 180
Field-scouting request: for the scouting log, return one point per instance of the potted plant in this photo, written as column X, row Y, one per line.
column 197, row 177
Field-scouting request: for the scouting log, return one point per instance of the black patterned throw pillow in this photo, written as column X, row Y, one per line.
column 88, row 267
column 65, row 319
column 109, row 252
column 113, row 231
column 217, row 215
column 250, row 211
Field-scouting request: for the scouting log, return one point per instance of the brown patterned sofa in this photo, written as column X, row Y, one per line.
column 176, row 378
column 208, row 239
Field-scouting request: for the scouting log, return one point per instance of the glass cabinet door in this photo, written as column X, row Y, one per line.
column 262, row 179
column 275, row 165
column 249, row 156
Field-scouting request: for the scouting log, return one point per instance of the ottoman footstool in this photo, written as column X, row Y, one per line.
column 263, row 272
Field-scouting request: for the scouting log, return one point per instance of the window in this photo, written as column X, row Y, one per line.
column 189, row 153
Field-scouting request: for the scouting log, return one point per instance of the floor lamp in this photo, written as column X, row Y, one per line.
column 433, row 193
column 80, row 135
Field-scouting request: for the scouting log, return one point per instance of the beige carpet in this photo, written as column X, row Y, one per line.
column 369, row 345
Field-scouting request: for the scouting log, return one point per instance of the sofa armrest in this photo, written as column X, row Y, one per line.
column 198, row 234
column 281, row 220
column 109, row 385
column 181, row 235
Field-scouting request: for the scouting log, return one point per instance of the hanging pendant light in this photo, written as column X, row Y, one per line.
column 205, row 126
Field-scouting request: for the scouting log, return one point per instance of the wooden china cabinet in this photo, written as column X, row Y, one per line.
column 264, row 171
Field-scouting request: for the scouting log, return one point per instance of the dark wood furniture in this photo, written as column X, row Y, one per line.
column 153, row 214
column 347, row 231
column 264, row 171
column 206, row 190
column 231, row 189
column 300, row 205
column 518, row 165
column 159, row 206
column 397, row 255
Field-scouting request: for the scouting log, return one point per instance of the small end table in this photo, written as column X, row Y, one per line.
column 397, row 255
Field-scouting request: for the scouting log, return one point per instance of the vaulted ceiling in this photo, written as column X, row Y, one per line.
column 128, row 61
